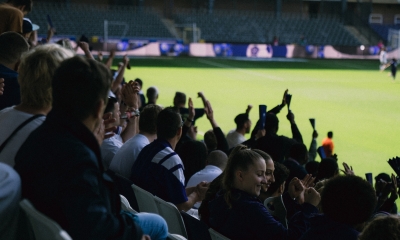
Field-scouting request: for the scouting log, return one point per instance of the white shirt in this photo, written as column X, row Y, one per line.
column 109, row 148
column 383, row 57
column 10, row 119
column 125, row 157
column 208, row 174
column 234, row 138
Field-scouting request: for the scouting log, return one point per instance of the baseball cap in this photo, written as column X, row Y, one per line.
column 28, row 26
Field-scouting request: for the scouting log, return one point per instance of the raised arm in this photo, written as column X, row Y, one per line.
column 110, row 58
column 312, row 152
column 85, row 48
column 222, row 144
column 121, row 71
column 131, row 99
column 295, row 131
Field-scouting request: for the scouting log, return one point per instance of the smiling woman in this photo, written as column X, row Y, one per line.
column 237, row 212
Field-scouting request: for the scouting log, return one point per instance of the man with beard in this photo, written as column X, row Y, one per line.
column 243, row 126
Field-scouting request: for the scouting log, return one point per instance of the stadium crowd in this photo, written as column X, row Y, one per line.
column 72, row 129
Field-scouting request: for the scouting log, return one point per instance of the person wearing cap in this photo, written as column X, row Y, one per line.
column 12, row 13
column 243, row 126
column 28, row 27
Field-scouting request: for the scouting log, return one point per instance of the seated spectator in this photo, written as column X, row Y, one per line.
column 346, row 201
column 237, row 213
column 276, row 188
column 216, row 163
column 327, row 145
column 159, row 170
column 142, row 99
column 10, row 195
column 312, row 168
column 328, row 168
column 60, row 164
column 126, row 156
column 214, row 138
column 35, row 75
column 111, row 145
column 152, row 95
column 298, row 156
column 243, row 126
column 12, row 13
column 385, row 228
column 12, row 46
column 193, row 155
column 278, row 146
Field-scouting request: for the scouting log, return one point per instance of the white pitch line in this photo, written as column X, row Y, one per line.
column 241, row 70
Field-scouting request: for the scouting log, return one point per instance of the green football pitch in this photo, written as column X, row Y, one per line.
column 349, row 97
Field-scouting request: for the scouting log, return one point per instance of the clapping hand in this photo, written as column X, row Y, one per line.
column 130, row 94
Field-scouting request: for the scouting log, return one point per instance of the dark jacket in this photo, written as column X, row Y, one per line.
column 249, row 219
column 11, row 95
column 63, row 177
column 324, row 228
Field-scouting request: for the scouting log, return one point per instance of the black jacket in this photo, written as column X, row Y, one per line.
column 63, row 177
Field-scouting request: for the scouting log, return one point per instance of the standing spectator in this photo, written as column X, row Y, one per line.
column 35, row 75
column 126, row 156
column 11, row 14
column 60, row 165
column 12, row 46
column 278, row 146
column 243, row 126
column 327, row 145
column 152, row 95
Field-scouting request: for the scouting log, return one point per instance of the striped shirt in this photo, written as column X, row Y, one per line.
column 159, row 170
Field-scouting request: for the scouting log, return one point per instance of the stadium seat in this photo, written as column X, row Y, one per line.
column 125, row 204
column 216, row 235
column 43, row 227
column 279, row 209
column 145, row 200
column 172, row 216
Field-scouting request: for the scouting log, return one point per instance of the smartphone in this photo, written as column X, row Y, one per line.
column 263, row 115
column 368, row 176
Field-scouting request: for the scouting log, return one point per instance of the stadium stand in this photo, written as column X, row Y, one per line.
column 383, row 29
column 261, row 27
column 73, row 19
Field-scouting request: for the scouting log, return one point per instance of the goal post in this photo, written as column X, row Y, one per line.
column 394, row 41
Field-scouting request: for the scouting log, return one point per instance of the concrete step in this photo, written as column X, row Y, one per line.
column 357, row 35
column 171, row 28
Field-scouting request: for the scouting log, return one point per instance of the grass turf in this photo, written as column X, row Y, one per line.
column 349, row 97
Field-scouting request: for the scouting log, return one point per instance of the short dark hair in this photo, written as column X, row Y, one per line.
column 348, row 199
column 12, row 46
column 27, row 3
column 180, row 98
column 110, row 104
column 138, row 80
column 148, row 118
column 281, row 173
column 384, row 227
column 299, row 152
column 327, row 168
column 168, row 123
column 271, row 122
column 151, row 93
column 241, row 119
column 78, row 86
column 210, row 140
column 312, row 168
column 330, row 134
